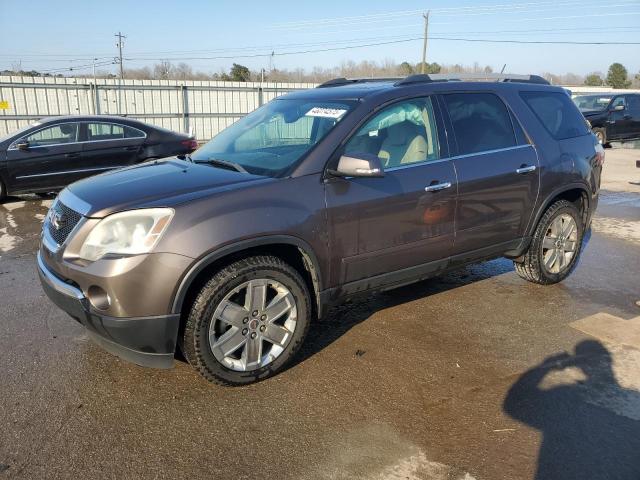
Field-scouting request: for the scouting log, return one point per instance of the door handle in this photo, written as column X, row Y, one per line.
column 437, row 186
column 130, row 149
column 523, row 170
column 72, row 155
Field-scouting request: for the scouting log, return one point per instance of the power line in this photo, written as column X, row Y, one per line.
column 622, row 29
column 514, row 20
column 457, row 11
column 222, row 57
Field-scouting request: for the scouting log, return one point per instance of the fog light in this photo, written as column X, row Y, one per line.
column 98, row 297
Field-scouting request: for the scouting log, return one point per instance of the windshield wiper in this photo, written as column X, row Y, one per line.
column 224, row 164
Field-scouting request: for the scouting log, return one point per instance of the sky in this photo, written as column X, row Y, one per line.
column 211, row 35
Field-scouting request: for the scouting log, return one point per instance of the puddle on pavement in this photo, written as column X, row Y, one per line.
column 20, row 224
column 627, row 199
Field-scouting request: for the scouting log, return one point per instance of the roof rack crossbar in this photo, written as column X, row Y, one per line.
column 347, row 81
column 453, row 77
column 440, row 77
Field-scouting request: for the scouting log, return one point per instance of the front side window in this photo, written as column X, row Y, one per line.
column 56, row 135
column 401, row 134
column 481, row 122
column 592, row 102
column 273, row 138
column 618, row 102
column 111, row 131
column 557, row 113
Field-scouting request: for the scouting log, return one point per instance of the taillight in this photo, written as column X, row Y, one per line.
column 191, row 144
column 599, row 154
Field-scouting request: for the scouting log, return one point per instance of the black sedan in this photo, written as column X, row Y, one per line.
column 55, row 152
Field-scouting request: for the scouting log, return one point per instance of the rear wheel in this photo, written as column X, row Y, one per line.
column 247, row 322
column 555, row 246
column 3, row 191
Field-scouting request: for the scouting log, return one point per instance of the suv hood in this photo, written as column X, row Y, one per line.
column 160, row 183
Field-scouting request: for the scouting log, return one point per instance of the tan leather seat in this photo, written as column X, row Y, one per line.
column 404, row 144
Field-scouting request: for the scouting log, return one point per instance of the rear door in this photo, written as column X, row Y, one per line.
column 52, row 159
column 633, row 110
column 498, row 176
column 402, row 224
column 619, row 121
column 111, row 145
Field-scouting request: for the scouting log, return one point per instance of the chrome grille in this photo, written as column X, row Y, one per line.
column 61, row 221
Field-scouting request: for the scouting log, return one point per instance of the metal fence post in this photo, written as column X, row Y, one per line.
column 185, row 108
column 96, row 90
column 260, row 96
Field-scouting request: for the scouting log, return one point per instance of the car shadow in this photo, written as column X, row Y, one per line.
column 586, row 433
column 342, row 318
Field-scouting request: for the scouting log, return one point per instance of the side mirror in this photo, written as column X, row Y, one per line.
column 22, row 145
column 618, row 108
column 359, row 165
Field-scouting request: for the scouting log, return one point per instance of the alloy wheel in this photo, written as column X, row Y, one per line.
column 252, row 325
column 560, row 243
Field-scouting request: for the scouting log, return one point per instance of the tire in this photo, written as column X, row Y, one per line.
column 601, row 134
column 227, row 291
column 534, row 266
column 3, row 192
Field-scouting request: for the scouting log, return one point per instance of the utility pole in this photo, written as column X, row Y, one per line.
column 423, row 66
column 120, row 44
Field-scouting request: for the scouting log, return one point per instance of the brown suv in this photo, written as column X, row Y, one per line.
column 352, row 187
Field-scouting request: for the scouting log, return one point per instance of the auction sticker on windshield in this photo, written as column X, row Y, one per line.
column 326, row 112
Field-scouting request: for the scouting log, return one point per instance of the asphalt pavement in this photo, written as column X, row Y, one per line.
column 474, row 375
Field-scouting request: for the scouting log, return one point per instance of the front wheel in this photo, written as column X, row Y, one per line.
column 248, row 321
column 555, row 246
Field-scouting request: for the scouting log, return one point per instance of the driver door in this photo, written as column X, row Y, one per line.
column 401, row 226
column 49, row 161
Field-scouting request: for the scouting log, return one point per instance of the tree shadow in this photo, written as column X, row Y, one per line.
column 582, row 435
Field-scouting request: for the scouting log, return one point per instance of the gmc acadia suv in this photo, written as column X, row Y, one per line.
column 352, row 187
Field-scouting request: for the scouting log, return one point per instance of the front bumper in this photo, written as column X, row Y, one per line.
column 146, row 341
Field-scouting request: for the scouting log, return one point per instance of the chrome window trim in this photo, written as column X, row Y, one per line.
column 446, row 159
column 12, row 146
column 144, row 135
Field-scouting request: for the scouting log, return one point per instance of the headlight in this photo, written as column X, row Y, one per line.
column 126, row 233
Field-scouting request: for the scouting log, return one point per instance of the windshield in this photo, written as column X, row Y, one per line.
column 270, row 140
column 592, row 102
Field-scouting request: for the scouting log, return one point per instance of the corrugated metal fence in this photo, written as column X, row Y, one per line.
column 203, row 108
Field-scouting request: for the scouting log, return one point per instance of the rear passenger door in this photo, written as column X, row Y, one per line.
column 498, row 176
column 111, row 145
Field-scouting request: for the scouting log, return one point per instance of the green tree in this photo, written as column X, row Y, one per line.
column 239, row 73
column 617, row 76
column 594, row 80
column 429, row 67
column 405, row 68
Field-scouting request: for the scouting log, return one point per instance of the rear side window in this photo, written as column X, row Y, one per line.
column 112, row 131
column 481, row 122
column 557, row 113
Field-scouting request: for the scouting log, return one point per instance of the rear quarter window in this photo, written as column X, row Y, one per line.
column 557, row 113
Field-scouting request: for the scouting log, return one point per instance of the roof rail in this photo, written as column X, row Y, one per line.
column 487, row 77
column 347, row 81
